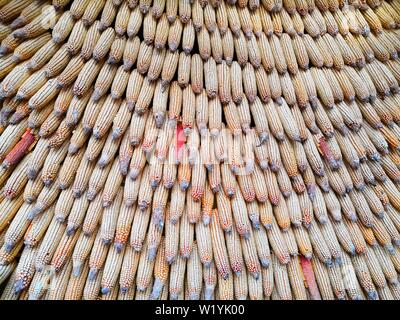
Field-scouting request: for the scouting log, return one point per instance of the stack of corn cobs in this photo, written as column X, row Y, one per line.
column 194, row 149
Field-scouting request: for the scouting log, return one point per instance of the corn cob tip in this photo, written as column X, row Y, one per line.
column 341, row 296
column 173, row 296
column 60, row 219
column 246, row 234
column 18, row 23
column 96, row 95
column 267, row 226
column 216, row 188
column 106, row 241
column 19, row 285
column 255, row 275
column 123, row 289
column 264, row 262
column 39, row 266
column 91, row 194
column 143, row 205
column 103, row 161
column 70, row 230
column 58, row 7
column 323, row 219
column 171, row 18
column 62, row 186
column 76, row 268
column 127, row 66
column 78, row 193
column 123, row 165
column 158, row 217
column 5, row 164
column 308, row 255
column 134, row 173
column 352, row 216
column 88, row 233
column 3, row 95
column 3, row 116
column 339, row 260
column 373, row 295
column 92, row 274
column 168, row 184
column 274, row 166
column 306, row 224
column 324, row 186
column 105, row 290
column 184, row 185
column 159, row 119
column 173, row 47
column 389, row 247
column 96, row 133
column 8, row 247
column 118, row 246
column 264, row 165
column 264, row 137
column 30, row 199
column 140, row 288
column 208, row 292
column 286, row 193
column 3, row 50
column 151, row 253
column 206, row 220
column 353, row 250
column 30, row 65
column 102, row 26
column 157, row 288
column 37, row 209
column 255, row 222
column 47, row 182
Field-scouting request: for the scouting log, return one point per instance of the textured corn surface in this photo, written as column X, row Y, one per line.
column 200, row 149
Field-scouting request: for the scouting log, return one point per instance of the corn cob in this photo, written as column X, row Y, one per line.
column 350, row 279
column 38, row 227
column 76, row 285
column 81, row 253
column 364, row 276
column 177, row 278
column 281, row 279
column 92, row 287
column 8, row 292
column 111, row 271
column 323, row 280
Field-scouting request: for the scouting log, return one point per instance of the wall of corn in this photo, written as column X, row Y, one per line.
column 199, row 149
